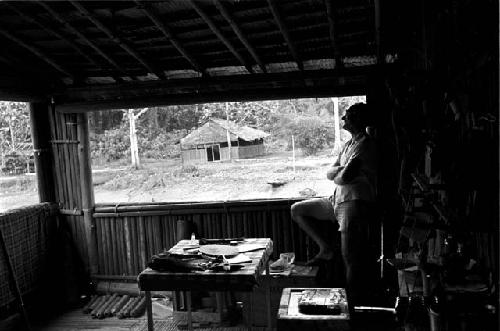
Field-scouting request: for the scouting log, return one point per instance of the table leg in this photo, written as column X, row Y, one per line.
column 268, row 297
column 249, row 311
column 189, row 315
column 218, row 299
column 149, row 309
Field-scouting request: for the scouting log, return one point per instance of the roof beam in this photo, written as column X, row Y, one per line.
column 154, row 17
column 229, row 17
column 117, row 40
column 57, row 35
column 380, row 58
column 332, row 20
column 219, row 34
column 348, row 81
column 38, row 53
column 61, row 20
column 286, row 34
column 6, row 60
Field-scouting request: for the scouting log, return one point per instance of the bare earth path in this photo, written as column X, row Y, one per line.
column 170, row 182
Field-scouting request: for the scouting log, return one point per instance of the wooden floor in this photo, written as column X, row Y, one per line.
column 76, row 320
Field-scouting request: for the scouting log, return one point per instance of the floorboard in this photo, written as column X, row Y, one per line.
column 76, row 320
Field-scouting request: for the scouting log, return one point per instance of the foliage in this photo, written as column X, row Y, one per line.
column 15, row 163
column 159, row 129
column 158, row 144
column 310, row 133
column 112, row 145
column 15, row 134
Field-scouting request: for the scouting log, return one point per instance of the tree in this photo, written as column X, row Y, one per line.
column 310, row 133
column 134, row 148
column 15, row 134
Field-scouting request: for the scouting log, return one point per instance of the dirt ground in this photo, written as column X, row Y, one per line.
column 272, row 176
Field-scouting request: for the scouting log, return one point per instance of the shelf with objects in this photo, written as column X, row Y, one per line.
column 442, row 284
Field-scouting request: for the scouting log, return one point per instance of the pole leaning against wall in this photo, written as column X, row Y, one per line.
column 87, row 191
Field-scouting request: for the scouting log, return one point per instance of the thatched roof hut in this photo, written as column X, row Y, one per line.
column 210, row 142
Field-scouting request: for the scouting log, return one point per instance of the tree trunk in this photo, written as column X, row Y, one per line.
column 228, row 135
column 11, row 128
column 134, row 150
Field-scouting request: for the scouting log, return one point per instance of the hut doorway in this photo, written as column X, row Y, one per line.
column 213, row 153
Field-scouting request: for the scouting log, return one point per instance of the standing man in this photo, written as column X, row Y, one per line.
column 351, row 205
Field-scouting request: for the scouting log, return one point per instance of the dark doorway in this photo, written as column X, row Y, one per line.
column 213, row 153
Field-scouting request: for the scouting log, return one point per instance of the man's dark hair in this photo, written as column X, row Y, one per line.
column 361, row 112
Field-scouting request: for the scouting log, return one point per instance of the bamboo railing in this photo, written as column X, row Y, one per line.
column 129, row 234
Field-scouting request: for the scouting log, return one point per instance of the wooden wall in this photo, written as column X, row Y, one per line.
column 251, row 151
column 66, row 169
column 129, row 235
column 235, row 153
column 192, row 156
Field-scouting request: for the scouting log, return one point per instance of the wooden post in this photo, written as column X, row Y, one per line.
column 380, row 55
column 42, row 150
column 87, row 192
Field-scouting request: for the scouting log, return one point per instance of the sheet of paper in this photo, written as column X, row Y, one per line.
column 249, row 247
column 240, row 258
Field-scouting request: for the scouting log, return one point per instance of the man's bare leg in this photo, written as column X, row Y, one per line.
column 308, row 214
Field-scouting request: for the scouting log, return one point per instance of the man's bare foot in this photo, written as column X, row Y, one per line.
column 321, row 257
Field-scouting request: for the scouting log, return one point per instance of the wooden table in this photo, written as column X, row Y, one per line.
column 243, row 280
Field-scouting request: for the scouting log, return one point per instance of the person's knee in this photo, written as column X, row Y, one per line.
column 295, row 211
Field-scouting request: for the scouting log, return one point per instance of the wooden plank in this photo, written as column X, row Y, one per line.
column 100, row 252
column 55, row 161
column 63, row 164
column 134, row 244
column 142, row 243
column 122, row 265
column 128, row 248
column 68, row 162
column 324, row 83
column 71, row 129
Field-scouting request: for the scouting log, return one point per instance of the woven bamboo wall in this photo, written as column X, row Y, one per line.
column 129, row 235
column 29, row 234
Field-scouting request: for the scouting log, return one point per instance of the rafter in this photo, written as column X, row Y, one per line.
column 284, row 31
column 332, row 21
column 57, row 35
column 230, row 19
column 6, row 60
column 61, row 20
column 380, row 58
column 40, row 54
column 219, row 34
column 322, row 83
column 117, row 40
column 154, row 17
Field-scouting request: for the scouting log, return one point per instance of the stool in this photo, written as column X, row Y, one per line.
column 289, row 317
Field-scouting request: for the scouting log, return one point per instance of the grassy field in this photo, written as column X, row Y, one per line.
column 271, row 176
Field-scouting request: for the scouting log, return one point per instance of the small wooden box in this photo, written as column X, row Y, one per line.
column 289, row 317
column 300, row 276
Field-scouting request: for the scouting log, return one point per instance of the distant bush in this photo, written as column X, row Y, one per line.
column 159, row 144
column 311, row 134
column 112, row 145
